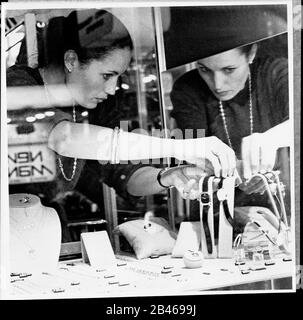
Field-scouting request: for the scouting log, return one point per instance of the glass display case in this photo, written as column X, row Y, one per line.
column 32, row 166
column 213, row 30
column 167, row 46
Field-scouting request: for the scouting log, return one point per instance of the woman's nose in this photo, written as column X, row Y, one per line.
column 218, row 81
column 110, row 87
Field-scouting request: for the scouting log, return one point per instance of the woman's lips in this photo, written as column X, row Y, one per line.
column 98, row 100
column 222, row 93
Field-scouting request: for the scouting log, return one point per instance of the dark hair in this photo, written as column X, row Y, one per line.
column 246, row 49
column 95, row 37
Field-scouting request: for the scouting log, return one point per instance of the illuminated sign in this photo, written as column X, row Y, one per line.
column 31, row 163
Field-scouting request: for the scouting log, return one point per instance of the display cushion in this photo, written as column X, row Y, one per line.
column 148, row 238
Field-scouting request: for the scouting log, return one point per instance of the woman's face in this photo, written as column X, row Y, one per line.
column 225, row 73
column 91, row 83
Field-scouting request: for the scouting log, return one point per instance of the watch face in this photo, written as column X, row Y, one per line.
column 205, row 197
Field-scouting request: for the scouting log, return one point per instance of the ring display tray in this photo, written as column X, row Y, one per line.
column 148, row 277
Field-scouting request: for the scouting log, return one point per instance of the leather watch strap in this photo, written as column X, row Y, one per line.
column 225, row 206
column 227, row 213
column 206, row 207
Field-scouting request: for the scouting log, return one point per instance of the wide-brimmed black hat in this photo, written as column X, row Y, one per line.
column 194, row 33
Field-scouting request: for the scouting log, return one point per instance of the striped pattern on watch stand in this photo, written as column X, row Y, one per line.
column 225, row 195
column 206, row 190
column 225, row 205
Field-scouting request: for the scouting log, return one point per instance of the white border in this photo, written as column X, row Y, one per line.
column 4, row 207
column 135, row 3
column 4, row 227
column 290, row 30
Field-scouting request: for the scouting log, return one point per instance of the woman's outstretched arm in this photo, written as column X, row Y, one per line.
column 88, row 141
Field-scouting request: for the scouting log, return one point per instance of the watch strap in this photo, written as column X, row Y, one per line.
column 205, row 210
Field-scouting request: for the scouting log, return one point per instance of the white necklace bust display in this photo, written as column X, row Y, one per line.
column 35, row 234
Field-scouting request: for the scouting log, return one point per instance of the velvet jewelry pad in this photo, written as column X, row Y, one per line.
column 147, row 238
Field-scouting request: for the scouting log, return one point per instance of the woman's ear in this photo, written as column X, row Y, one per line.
column 252, row 53
column 70, row 60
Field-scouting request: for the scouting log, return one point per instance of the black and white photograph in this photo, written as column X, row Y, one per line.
column 148, row 150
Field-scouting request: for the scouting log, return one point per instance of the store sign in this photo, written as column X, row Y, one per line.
column 30, row 163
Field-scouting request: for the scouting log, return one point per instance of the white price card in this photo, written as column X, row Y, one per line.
column 97, row 249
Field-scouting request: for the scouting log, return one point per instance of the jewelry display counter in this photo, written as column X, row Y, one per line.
column 144, row 98
column 159, row 276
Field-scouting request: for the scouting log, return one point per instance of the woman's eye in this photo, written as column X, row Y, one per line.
column 106, row 76
column 203, row 69
column 229, row 70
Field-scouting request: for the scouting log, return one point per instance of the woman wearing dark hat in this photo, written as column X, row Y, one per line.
column 85, row 71
column 242, row 99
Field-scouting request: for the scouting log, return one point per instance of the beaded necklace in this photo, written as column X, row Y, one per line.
column 251, row 120
column 74, row 119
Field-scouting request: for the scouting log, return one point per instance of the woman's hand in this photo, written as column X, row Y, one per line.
column 258, row 154
column 253, row 185
column 205, row 151
column 259, row 149
column 185, row 179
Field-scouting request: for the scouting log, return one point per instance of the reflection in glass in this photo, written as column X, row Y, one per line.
column 33, row 167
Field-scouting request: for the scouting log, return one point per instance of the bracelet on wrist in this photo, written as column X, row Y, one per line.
column 159, row 175
column 115, row 138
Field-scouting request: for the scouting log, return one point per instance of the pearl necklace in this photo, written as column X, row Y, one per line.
column 74, row 119
column 251, row 120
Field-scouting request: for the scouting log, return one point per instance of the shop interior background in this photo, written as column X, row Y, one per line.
column 141, row 105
